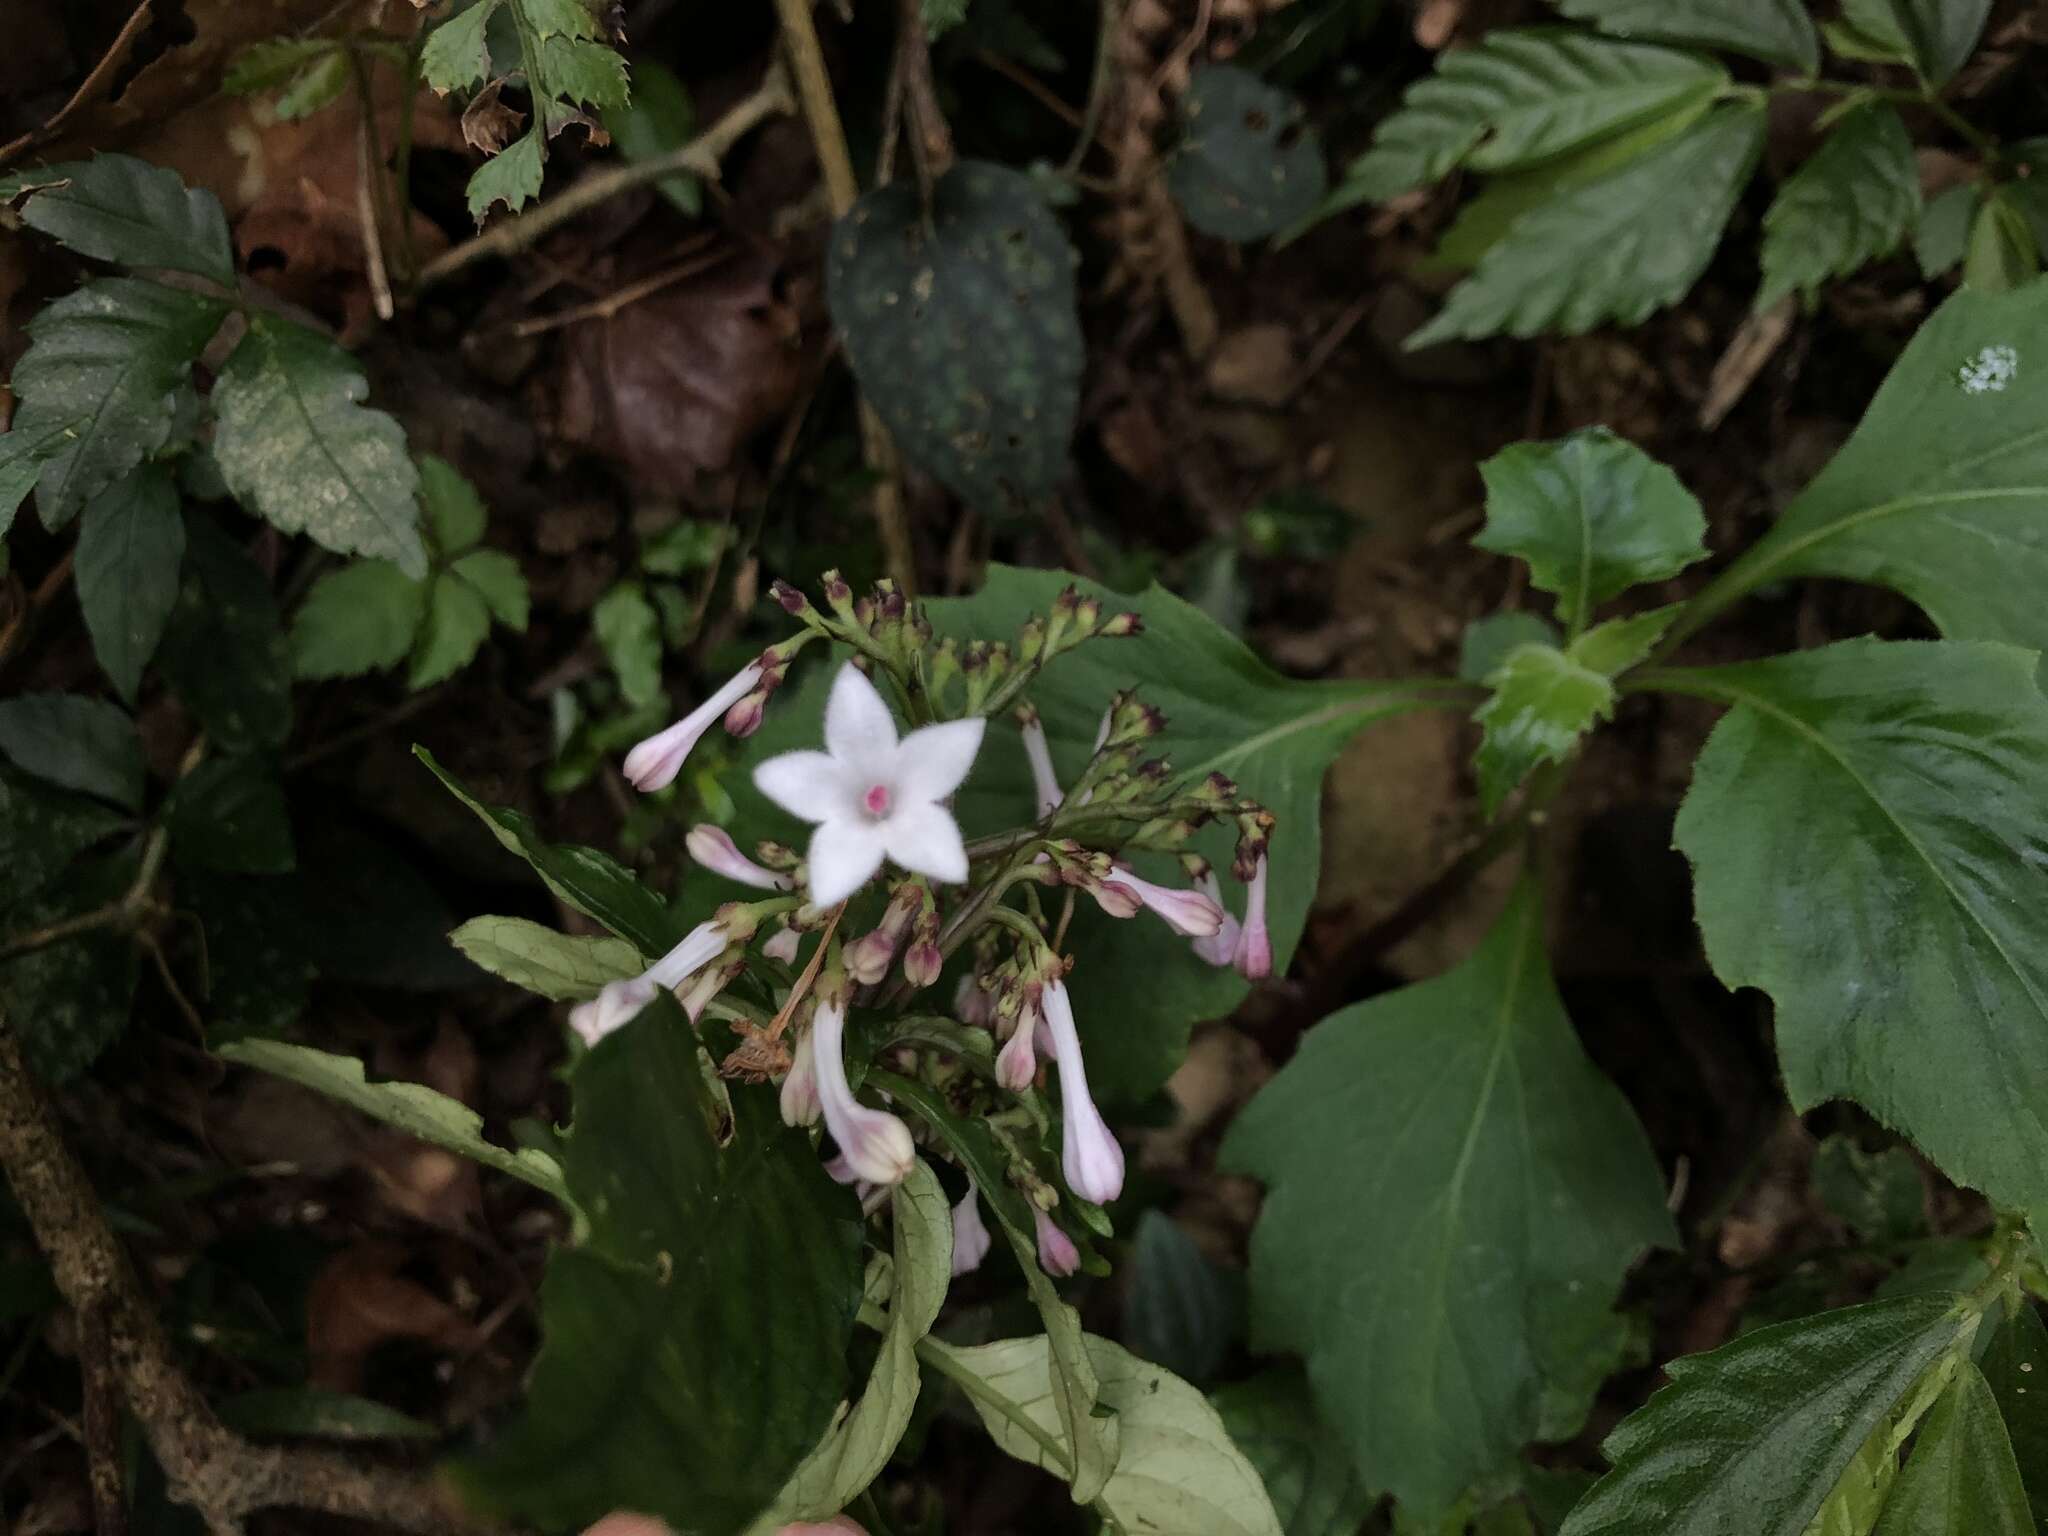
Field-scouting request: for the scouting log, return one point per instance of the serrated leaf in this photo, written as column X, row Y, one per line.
column 629, row 631
column 1543, row 702
column 1526, row 94
column 1943, row 233
column 131, row 543
column 457, row 621
column 454, row 513
column 229, row 815
column 1960, row 1479
column 857, row 1447
column 555, row 965
column 224, row 651
column 1184, row 1312
column 1754, row 1436
column 591, row 881
column 1852, row 202
column 2016, row 1367
column 658, row 120
column 1877, row 1195
column 1834, row 871
column 1406, row 1150
column 71, row 1000
column 1487, row 642
column 962, row 329
column 76, row 743
column 2004, row 253
column 499, row 582
column 456, row 54
column 1776, row 31
column 1178, row 1471
column 1618, row 248
column 1937, row 495
column 121, row 209
column 1935, row 36
column 298, row 446
column 1612, row 648
column 361, row 618
column 511, row 176
column 1306, row 1469
column 585, row 72
column 1247, row 166
column 1592, row 515
column 694, row 1344
column 99, row 385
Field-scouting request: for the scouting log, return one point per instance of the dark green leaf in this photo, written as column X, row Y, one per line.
column 592, row 882
column 224, row 652
column 1776, row 31
column 365, row 913
column 310, row 1413
column 229, row 815
column 42, row 831
column 1837, row 869
column 1248, row 164
column 131, row 543
column 694, row 1346
column 76, row 743
column 258, row 975
column 2016, row 1366
column 454, row 513
column 456, row 54
column 1618, row 248
column 498, row 580
column 104, row 375
column 2004, row 252
column 629, row 630
column 1854, row 201
column 1488, row 641
column 456, row 623
column 658, row 121
column 555, row 965
column 1935, row 36
column 117, row 208
column 1877, row 1195
column 361, row 618
column 1523, row 95
column 962, row 330
column 1593, row 515
column 1960, row 1479
column 70, row 1000
column 298, row 446
column 1944, row 231
column 1754, row 1436
column 1407, row 1150
column 1184, row 1311
column 1306, row 1469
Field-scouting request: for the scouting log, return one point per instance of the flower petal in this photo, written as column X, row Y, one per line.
column 844, row 856
column 933, row 759
column 859, row 730
column 925, row 839
column 807, row 784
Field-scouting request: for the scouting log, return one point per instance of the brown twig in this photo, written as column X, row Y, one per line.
column 90, row 88
column 622, row 298
column 931, row 139
column 217, row 1473
column 102, row 1424
column 370, row 190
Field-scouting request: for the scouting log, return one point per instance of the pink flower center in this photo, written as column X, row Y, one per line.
column 876, row 800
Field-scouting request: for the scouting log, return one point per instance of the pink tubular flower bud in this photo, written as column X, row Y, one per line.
column 1190, row 914
column 1220, row 947
column 1254, row 954
column 715, row 850
column 970, row 1234
column 698, row 948
column 875, row 1145
column 783, row 942
column 1043, row 779
column 923, row 961
column 1017, row 1062
column 1057, row 1255
column 799, row 1096
column 971, row 1005
column 655, row 762
column 1089, row 1154
column 618, row 1003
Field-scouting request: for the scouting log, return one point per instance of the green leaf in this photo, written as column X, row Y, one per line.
column 1960, row 1479
column 1834, row 870
column 117, row 208
column 42, row 831
column 258, row 974
column 361, row 618
column 455, row 514
column 1853, row 202
column 102, row 377
column 131, row 543
column 1185, row 1311
column 456, row 54
column 2004, row 252
column 1592, row 515
column 76, row 743
column 457, row 621
column 1543, row 702
column 70, row 1000
column 319, row 85
column 1407, row 1149
column 224, row 651
column 1753, row 1436
column 962, row 330
column 658, row 121
column 1776, row 31
column 1488, row 641
column 410, row 1107
column 229, row 814
column 311, row 1413
column 592, row 882
column 1877, row 1195
column 555, row 965
column 268, row 64
column 629, row 630
column 498, row 580
column 511, row 176
column 1935, row 36
column 858, row 1446
column 298, row 446
column 2016, row 1366
column 1521, row 95
column 1248, row 165
column 1306, row 1469
column 1618, row 248
column 941, row 16
column 1944, row 229
column 588, row 73
column 694, row 1346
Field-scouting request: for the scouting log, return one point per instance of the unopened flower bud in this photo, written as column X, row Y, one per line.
column 1220, row 947
column 1254, row 954
column 713, row 848
column 619, row 1002
column 782, row 944
column 696, row 996
column 1017, row 1062
column 799, row 1094
column 1044, row 781
column 1090, row 1155
column 1120, row 625
column 1057, row 1255
column 655, row 762
column 1031, row 640
column 923, row 961
column 838, row 595
column 1087, row 616
column 793, row 602
column 971, row 1004
column 875, row 1144
column 1190, row 914
column 971, row 1239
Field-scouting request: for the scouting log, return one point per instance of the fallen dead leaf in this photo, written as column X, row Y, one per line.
column 487, row 123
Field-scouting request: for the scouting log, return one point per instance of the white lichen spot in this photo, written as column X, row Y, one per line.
column 1990, row 371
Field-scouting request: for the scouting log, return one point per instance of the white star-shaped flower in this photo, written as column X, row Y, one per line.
column 873, row 796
